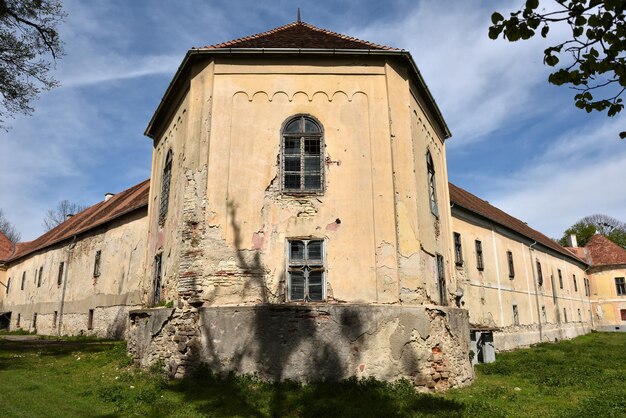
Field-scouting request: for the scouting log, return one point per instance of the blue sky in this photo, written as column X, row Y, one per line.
column 517, row 141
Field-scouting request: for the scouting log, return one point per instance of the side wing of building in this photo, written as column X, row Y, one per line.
column 518, row 285
column 83, row 276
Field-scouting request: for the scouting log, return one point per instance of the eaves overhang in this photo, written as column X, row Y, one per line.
column 467, row 214
column 181, row 76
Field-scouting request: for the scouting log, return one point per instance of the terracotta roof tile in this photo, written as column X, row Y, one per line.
column 578, row 252
column 481, row 207
column 92, row 217
column 6, row 247
column 605, row 252
column 299, row 35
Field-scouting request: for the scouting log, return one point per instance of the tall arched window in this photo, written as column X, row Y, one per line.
column 302, row 164
column 165, row 187
column 432, row 190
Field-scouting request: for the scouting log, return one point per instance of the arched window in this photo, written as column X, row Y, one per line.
column 432, row 190
column 165, row 187
column 301, row 151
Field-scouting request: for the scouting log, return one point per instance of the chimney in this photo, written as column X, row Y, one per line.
column 572, row 240
column 107, row 196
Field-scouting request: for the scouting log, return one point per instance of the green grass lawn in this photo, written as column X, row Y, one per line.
column 582, row 377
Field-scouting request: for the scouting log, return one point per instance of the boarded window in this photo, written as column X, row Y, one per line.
column 620, row 286
column 432, row 187
column 96, row 264
column 39, row 277
column 623, row 314
column 480, row 263
column 60, row 277
column 23, row 280
column 441, row 280
column 515, row 315
column 565, row 314
column 458, row 250
column 90, row 319
column 560, row 279
column 509, row 258
column 157, row 285
column 302, row 147
column 575, row 283
column 539, row 274
column 306, row 270
column 586, row 281
column 165, row 186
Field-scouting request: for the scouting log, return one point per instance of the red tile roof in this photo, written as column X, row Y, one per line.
column 6, row 247
column 578, row 252
column 603, row 251
column 122, row 203
column 299, row 35
column 466, row 200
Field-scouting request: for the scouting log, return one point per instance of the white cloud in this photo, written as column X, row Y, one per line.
column 481, row 85
column 579, row 174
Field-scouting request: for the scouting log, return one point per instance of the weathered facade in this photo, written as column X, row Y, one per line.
column 299, row 224
column 518, row 285
column 294, row 182
column 607, row 272
column 83, row 276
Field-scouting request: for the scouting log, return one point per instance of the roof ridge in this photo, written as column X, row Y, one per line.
column 515, row 224
column 250, row 37
column 290, row 25
column 346, row 37
column 94, row 216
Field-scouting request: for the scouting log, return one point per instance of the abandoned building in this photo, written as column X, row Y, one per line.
column 607, row 268
column 299, row 224
column 83, row 276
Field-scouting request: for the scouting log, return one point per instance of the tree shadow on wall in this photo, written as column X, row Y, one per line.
column 280, row 342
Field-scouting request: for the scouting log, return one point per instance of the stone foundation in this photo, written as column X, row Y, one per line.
column 506, row 340
column 429, row 345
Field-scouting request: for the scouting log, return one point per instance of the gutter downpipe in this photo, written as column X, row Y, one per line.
column 589, row 296
column 532, row 268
